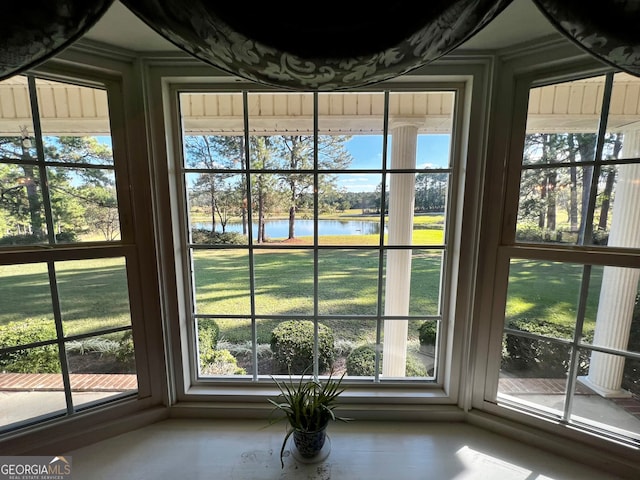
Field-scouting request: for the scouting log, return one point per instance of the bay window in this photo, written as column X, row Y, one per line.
column 67, row 261
column 569, row 259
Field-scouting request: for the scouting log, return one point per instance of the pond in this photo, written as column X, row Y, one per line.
column 304, row 227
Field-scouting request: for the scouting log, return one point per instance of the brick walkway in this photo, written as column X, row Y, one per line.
column 545, row 386
column 80, row 382
column 552, row 386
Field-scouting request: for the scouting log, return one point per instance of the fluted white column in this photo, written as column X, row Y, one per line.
column 398, row 266
column 619, row 285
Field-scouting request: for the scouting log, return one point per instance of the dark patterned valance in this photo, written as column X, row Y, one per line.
column 610, row 30
column 330, row 47
column 35, row 30
column 334, row 47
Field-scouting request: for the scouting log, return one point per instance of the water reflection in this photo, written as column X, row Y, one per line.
column 304, row 227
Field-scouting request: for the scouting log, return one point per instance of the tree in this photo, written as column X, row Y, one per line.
column 296, row 152
column 431, row 192
column 263, row 184
column 22, row 197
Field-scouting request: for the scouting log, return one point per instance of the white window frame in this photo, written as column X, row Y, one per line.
column 517, row 78
column 165, row 81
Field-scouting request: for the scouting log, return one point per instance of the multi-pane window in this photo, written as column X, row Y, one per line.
column 316, row 228
column 65, row 318
column 571, row 338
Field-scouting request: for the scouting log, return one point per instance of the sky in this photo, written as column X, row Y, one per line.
column 432, row 152
column 366, row 150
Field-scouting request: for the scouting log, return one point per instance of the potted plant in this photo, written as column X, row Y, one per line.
column 308, row 406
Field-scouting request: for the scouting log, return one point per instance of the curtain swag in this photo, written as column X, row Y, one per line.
column 342, row 48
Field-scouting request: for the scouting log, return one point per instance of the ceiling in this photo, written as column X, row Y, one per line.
column 520, row 22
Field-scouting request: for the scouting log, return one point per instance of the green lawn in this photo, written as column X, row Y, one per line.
column 93, row 293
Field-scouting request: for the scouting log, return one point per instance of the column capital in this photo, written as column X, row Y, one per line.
column 416, row 121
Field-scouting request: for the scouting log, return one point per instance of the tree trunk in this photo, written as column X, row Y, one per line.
column 35, row 214
column 573, row 187
column 260, row 217
column 212, row 193
column 606, row 199
column 292, row 222
column 552, row 181
column 543, row 196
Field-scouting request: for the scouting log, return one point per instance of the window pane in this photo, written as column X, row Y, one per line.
column 562, row 115
column 534, row 372
column 417, row 219
column 30, row 385
column 94, row 294
column 349, row 216
column 217, row 203
column 430, row 206
column 551, row 205
column 412, row 282
column 613, row 321
column 434, row 150
column 348, row 282
column 283, row 282
column 219, row 152
column 22, row 220
column 402, row 352
column 221, row 279
column 602, row 407
column 280, row 113
column 84, row 204
column 615, row 222
column 292, row 345
column 16, row 135
column 364, row 135
column 76, row 115
column 101, row 367
column 25, row 294
column 212, row 114
column 621, row 140
column 90, row 150
column 225, row 346
column 270, row 208
column 543, row 297
column 426, row 270
column 431, row 115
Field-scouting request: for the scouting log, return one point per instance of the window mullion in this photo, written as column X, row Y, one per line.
column 44, row 184
column 252, row 280
column 316, row 328
column 57, row 315
column 577, row 336
column 587, row 232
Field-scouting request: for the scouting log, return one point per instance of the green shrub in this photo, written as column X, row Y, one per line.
column 125, row 352
column 222, row 362
column 361, row 361
column 24, row 239
column 292, row 346
column 66, row 237
column 538, row 357
column 415, row 368
column 428, row 332
column 202, row 235
column 208, row 333
column 42, row 359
